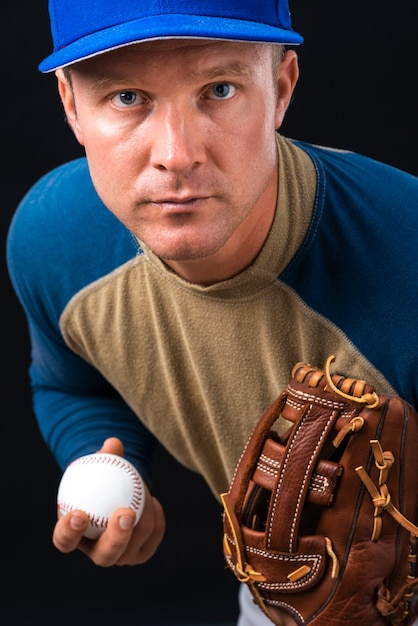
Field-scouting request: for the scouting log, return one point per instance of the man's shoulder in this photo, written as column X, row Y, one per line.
column 62, row 225
column 358, row 184
column 64, row 204
column 346, row 161
column 66, row 187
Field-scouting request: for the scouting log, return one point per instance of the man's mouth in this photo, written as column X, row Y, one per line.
column 179, row 203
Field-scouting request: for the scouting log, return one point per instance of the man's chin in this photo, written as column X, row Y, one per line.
column 181, row 250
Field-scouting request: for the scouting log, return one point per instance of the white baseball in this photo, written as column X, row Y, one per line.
column 98, row 484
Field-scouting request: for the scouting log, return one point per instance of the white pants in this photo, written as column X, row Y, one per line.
column 251, row 615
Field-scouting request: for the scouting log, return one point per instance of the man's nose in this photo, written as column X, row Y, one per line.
column 177, row 144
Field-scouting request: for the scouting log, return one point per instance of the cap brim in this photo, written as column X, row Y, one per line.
column 163, row 27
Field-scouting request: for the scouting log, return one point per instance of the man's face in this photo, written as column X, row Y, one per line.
column 180, row 139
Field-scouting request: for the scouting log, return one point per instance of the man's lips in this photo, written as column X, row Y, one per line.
column 180, row 203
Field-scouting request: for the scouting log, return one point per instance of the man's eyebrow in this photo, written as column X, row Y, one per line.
column 234, row 69
column 211, row 73
column 107, row 81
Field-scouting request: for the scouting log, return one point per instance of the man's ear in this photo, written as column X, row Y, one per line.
column 66, row 93
column 287, row 77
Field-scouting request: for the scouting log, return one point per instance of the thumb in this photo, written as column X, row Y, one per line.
column 113, row 445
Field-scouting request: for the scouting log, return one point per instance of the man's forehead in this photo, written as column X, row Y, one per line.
column 190, row 47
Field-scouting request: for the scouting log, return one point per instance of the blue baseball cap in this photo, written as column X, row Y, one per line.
column 85, row 28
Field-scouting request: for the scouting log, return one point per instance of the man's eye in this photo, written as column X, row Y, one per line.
column 221, row 91
column 125, row 99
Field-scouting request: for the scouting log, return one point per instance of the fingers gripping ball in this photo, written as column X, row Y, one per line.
column 98, row 484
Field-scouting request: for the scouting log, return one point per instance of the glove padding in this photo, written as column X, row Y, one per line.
column 320, row 523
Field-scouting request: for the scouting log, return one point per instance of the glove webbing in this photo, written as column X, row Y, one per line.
column 380, row 494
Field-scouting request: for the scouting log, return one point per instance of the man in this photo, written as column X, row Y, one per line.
column 173, row 277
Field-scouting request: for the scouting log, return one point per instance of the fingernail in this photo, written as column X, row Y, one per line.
column 77, row 522
column 126, row 522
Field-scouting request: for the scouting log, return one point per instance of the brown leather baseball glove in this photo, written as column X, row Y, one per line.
column 320, row 523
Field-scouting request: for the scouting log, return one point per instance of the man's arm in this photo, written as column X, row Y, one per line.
column 61, row 239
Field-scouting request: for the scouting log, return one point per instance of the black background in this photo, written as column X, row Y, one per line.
column 357, row 91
